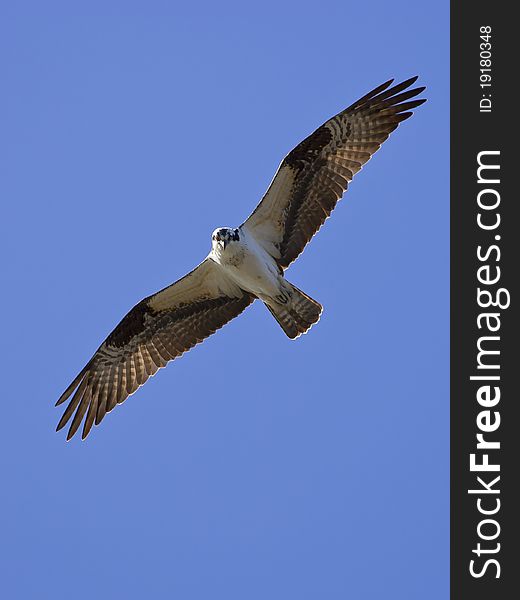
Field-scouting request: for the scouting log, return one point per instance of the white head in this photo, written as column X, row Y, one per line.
column 223, row 236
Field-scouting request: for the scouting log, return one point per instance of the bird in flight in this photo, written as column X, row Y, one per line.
column 245, row 263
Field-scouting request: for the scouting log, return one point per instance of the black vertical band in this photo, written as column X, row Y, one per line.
column 485, row 267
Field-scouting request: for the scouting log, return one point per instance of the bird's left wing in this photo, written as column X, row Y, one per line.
column 157, row 330
column 313, row 177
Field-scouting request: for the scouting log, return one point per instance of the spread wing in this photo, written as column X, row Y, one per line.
column 157, row 330
column 314, row 176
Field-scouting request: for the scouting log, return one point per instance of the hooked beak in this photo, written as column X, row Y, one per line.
column 220, row 241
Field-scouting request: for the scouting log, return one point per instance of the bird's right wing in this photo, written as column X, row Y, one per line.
column 314, row 175
column 157, row 330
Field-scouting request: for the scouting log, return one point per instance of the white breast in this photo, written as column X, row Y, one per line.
column 249, row 265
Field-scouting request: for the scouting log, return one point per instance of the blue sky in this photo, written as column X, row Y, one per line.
column 253, row 467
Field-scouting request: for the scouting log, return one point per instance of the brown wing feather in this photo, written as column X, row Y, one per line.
column 314, row 176
column 158, row 329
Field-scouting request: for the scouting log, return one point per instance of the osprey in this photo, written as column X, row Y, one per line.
column 245, row 263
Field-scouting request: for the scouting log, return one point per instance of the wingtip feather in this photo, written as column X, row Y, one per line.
column 410, row 81
column 76, row 381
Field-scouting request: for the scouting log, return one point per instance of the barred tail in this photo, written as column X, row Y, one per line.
column 297, row 314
